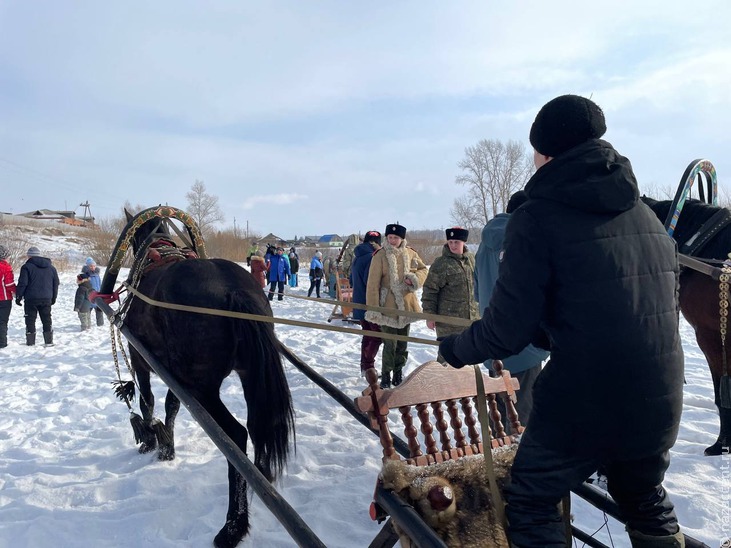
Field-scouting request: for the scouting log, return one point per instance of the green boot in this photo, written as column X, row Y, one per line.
column 641, row 540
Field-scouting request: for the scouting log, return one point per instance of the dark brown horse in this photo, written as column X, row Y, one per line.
column 200, row 351
column 700, row 302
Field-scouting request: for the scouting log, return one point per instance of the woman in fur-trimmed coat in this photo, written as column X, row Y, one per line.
column 396, row 274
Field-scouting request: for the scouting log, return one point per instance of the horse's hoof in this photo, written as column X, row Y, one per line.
column 166, row 453
column 715, row 450
column 147, row 447
column 231, row 534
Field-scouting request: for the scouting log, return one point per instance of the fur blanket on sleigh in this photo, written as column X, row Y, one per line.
column 453, row 497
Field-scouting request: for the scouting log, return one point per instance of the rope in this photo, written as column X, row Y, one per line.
column 270, row 319
column 448, row 320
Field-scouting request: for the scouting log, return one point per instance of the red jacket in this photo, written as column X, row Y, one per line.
column 7, row 281
column 259, row 269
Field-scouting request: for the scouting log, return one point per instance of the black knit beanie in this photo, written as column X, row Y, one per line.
column 565, row 122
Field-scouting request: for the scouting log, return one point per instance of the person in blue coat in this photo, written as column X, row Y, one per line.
column 278, row 273
column 526, row 365
column 359, row 267
column 316, row 274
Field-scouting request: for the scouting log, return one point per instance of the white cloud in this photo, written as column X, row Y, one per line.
column 272, row 199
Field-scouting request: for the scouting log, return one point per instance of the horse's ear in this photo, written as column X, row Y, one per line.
column 128, row 215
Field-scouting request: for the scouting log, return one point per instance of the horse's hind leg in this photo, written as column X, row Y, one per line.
column 237, row 516
column 708, row 341
column 166, row 434
column 723, row 443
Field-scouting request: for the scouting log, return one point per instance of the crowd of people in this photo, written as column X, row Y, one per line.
column 556, row 289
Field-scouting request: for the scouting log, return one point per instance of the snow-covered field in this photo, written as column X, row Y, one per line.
column 71, row 476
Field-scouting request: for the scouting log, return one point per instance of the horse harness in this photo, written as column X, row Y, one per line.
column 707, row 231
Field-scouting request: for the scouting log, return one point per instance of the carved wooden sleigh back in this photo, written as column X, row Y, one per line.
column 437, row 407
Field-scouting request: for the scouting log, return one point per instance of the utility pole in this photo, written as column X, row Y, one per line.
column 235, row 233
column 87, row 212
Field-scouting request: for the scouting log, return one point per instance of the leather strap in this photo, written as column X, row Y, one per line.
column 497, row 499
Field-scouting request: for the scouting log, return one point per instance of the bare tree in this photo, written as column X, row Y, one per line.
column 492, row 172
column 203, row 207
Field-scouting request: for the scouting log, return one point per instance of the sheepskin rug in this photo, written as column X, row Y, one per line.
column 465, row 517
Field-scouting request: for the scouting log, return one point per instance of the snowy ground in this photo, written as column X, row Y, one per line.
column 71, row 476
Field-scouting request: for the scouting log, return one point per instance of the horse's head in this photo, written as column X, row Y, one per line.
column 148, row 232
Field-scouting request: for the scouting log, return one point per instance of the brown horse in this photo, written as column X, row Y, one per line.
column 700, row 303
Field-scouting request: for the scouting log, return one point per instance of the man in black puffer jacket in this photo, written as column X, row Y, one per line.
column 38, row 285
column 589, row 271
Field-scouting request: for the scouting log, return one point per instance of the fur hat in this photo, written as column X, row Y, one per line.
column 565, row 122
column 33, row 252
column 516, row 200
column 4, row 253
column 457, row 233
column 81, row 277
column 396, row 229
column 372, row 236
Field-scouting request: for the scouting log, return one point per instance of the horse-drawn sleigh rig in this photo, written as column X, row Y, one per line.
column 194, row 320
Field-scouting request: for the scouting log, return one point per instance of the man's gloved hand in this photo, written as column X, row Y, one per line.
column 446, row 349
column 17, row 301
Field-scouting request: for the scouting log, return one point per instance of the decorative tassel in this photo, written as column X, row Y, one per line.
column 163, row 436
column 124, row 390
column 725, row 391
column 138, row 426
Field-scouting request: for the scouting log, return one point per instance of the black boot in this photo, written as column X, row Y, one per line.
column 386, row 380
column 398, row 376
column 30, row 338
column 48, row 338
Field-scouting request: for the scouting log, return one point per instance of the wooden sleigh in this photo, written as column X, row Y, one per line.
column 344, row 293
column 437, row 407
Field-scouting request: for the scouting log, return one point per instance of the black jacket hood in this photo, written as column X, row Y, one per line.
column 40, row 262
column 591, row 177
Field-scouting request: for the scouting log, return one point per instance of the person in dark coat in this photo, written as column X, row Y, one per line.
column 82, row 304
column 278, row 273
column 359, row 267
column 589, row 272
column 38, row 287
column 294, row 267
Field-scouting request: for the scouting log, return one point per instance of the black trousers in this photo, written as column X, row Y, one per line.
column 34, row 309
column 5, row 308
column 542, row 476
column 314, row 285
column 275, row 284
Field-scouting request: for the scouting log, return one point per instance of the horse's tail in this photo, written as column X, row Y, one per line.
column 270, row 419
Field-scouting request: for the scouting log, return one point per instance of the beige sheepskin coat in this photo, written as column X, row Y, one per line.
column 390, row 267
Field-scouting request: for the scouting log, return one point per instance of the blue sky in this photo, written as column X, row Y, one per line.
column 307, row 118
